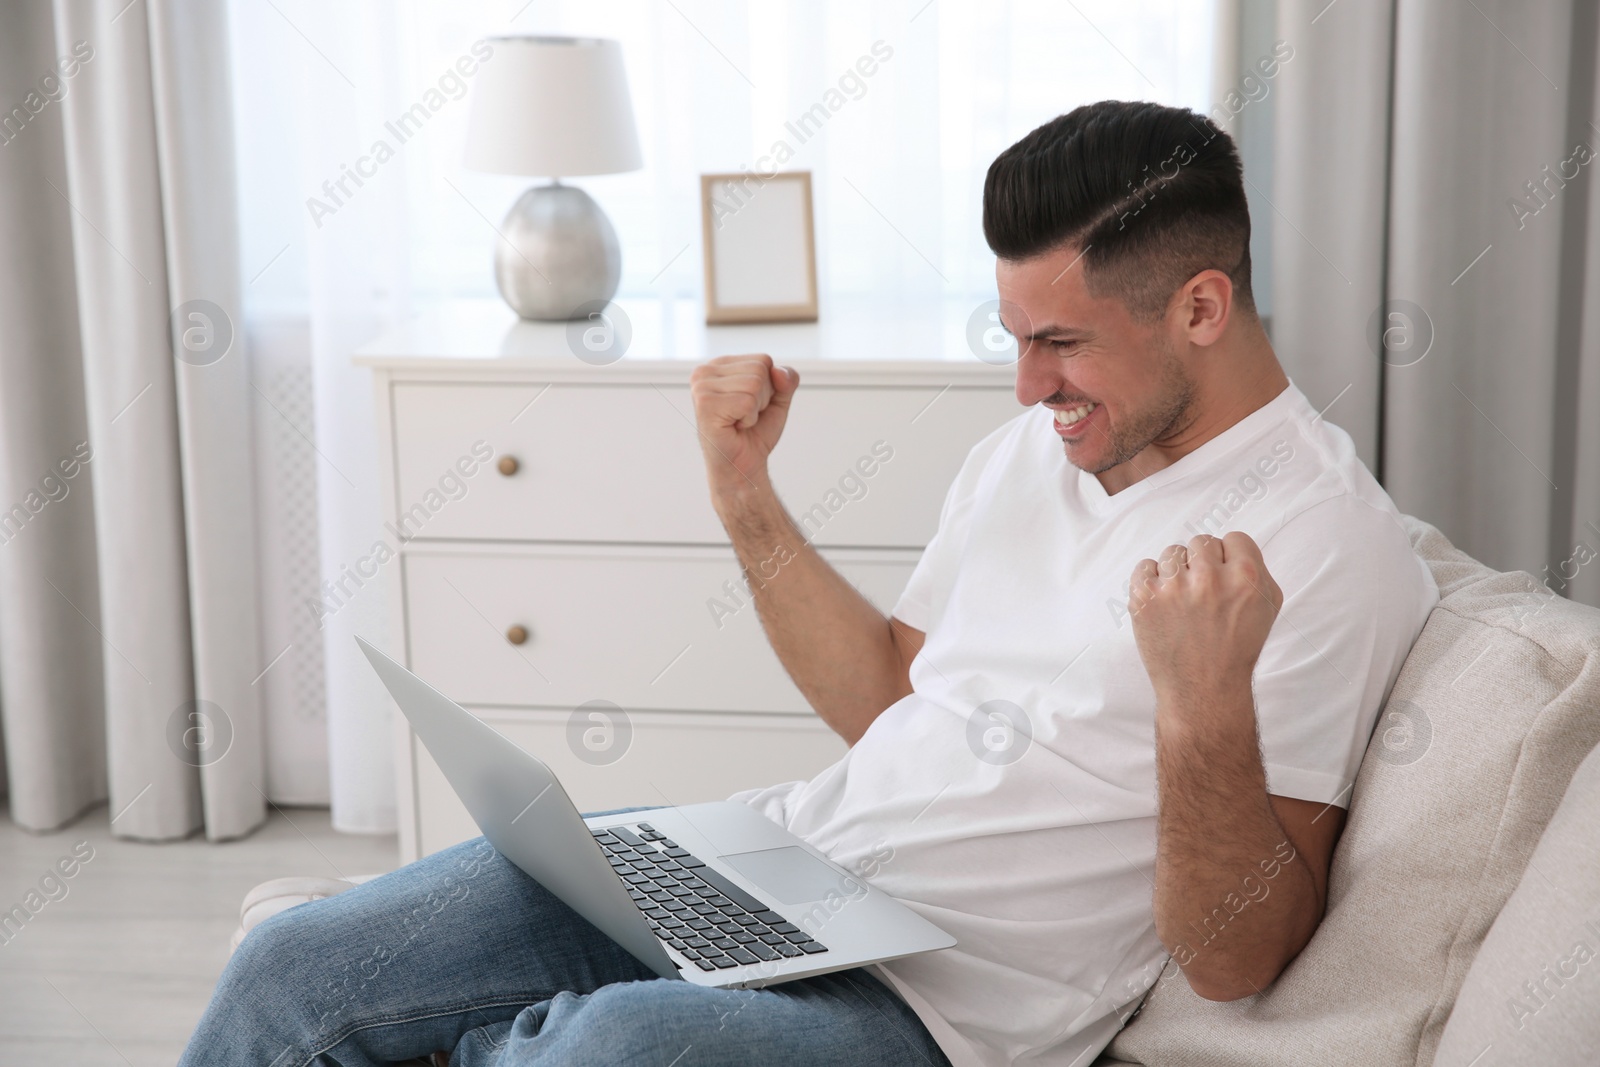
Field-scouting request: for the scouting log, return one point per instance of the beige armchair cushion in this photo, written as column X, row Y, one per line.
column 1532, row 996
column 1492, row 713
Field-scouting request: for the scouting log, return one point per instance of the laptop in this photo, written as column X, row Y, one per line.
column 715, row 894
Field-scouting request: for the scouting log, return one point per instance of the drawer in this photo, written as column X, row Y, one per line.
column 668, row 758
column 594, row 463
column 622, row 463
column 657, row 628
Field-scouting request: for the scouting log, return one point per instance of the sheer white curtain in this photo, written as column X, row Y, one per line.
column 898, row 173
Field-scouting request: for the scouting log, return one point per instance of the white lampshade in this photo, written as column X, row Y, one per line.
column 552, row 107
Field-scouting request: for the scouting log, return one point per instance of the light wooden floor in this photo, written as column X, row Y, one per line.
column 117, row 972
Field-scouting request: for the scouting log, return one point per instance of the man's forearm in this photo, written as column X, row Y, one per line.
column 837, row 647
column 1234, row 901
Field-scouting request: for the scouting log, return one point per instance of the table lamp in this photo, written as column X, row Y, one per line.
column 554, row 107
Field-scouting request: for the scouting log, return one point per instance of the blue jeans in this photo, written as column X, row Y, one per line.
column 462, row 951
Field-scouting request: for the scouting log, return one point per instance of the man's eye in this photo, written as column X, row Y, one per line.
column 1063, row 346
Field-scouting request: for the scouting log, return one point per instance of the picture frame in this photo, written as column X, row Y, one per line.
column 759, row 240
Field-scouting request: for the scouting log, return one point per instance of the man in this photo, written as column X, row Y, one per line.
column 1114, row 716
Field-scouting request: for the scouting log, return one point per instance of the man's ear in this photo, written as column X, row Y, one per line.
column 1207, row 305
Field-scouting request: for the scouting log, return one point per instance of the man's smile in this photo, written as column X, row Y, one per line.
column 1074, row 422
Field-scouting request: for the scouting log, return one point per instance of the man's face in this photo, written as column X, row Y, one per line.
column 1079, row 351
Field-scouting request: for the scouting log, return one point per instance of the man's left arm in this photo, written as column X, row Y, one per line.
column 1241, row 875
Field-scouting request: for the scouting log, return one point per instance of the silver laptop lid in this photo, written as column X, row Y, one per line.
column 517, row 802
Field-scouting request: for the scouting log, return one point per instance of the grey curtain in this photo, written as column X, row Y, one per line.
column 1437, row 261
column 129, row 635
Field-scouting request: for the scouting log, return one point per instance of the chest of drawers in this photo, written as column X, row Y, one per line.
column 561, row 572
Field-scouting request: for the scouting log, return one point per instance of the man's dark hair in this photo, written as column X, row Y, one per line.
column 1151, row 195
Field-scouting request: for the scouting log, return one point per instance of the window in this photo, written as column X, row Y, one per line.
column 898, row 161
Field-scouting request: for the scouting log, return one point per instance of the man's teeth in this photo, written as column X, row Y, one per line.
column 1069, row 418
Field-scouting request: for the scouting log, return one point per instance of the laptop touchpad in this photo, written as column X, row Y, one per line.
column 793, row 875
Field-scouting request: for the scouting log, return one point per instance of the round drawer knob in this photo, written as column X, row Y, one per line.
column 508, row 466
column 517, row 634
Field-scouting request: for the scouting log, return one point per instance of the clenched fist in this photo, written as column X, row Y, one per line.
column 1201, row 614
column 740, row 406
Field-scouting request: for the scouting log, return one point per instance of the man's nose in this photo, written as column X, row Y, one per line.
column 1036, row 378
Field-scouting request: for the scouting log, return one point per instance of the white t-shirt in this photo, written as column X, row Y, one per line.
column 1011, row 798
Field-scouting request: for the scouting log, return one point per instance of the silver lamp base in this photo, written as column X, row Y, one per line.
column 559, row 257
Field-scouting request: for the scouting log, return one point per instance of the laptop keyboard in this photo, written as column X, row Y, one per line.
column 693, row 908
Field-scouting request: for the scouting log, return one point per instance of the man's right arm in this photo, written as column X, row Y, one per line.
column 846, row 657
